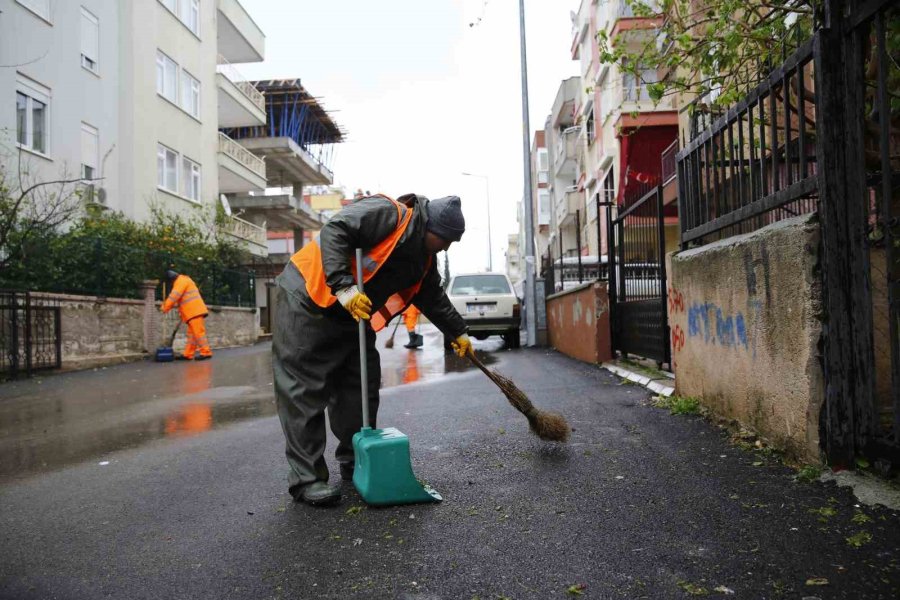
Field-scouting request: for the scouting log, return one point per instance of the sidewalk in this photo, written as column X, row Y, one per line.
column 639, row 504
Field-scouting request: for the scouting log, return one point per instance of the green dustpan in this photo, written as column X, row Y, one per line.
column 383, row 472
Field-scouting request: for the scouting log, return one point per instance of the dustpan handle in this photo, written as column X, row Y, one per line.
column 363, row 366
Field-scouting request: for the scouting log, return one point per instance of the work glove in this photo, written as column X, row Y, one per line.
column 355, row 302
column 462, row 345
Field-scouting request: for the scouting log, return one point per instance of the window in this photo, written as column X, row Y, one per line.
column 543, row 207
column 190, row 94
column 591, row 129
column 90, row 151
column 166, row 76
column 186, row 11
column 32, row 115
column 90, row 40
column 190, row 15
column 635, row 86
column 39, row 7
column 166, row 169
column 190, row 177
column 478, row 285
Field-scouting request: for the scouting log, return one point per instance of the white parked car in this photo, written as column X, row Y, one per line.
column 488, row 305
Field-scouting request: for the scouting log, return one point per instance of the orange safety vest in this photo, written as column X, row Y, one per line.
column 186, row 296
column 308, row 261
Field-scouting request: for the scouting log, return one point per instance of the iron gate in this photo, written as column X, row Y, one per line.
column 30, row 337
column 637, row 277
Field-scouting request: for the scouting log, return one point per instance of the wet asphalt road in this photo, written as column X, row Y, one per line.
column 108, row 492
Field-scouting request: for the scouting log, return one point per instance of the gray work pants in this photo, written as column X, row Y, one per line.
column 316, row 365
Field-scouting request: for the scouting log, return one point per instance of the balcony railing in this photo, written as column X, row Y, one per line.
column 231, row 148
column 244, row 230
column 234, row 76
column 668, row 162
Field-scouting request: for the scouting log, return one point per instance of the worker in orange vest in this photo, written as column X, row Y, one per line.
column 186, row 296
column 315, row 337
column 411, row 319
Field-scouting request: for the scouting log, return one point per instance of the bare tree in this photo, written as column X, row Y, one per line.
column 31, row 205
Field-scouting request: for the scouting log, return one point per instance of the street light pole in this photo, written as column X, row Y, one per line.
column 487, row 193
column 530, row 301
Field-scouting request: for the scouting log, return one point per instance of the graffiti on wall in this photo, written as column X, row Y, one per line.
column 709, row 322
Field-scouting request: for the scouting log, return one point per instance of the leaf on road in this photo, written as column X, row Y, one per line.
column 859, row 539
column 354, row 510
column 724, row 590
column 576, row 589
column 817, row 581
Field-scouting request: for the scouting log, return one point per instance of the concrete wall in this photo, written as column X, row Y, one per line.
column 104, row 331
column 744, row 317
column 578, row 322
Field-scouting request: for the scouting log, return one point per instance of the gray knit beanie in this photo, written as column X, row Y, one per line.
column 445, row 218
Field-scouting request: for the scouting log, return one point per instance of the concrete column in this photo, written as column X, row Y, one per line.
column 151, row 314
column 298, row 239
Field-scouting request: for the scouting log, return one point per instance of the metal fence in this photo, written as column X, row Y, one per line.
column 756, row 164
column 30, row 336
column 820, row 133
column 637, row 276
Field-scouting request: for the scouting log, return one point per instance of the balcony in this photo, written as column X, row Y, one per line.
column 239, row 169
column 251, row 237
column 240, row 103
column 240, row 40
column 280, row 211
column 565, row 161
column 292, row 162
column 572, row 200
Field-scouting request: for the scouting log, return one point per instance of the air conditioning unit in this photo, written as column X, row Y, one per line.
column 94, row 195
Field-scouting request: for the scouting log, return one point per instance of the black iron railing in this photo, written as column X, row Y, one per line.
column 756, row 164
column 30, row 336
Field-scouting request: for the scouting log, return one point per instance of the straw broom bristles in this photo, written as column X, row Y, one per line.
column 390, row 343
column 547, row 425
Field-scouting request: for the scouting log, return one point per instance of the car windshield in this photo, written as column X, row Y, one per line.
column 473, row 285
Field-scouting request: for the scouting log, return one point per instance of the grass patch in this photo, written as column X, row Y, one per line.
column 808, row 473
column 678, row 405
column 857, row 540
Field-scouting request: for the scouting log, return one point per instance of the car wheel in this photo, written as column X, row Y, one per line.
column 511, row 338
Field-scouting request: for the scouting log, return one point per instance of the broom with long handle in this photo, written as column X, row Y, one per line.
column 390, row 343
column 548, row 426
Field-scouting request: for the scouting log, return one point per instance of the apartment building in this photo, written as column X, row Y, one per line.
column 561, row 135
column 623, row 133
column 131, row 95
column 540, row 191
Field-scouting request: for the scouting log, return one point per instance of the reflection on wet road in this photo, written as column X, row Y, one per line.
column 52, row 421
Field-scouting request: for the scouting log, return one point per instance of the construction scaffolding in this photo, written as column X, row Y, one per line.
column 293, row 112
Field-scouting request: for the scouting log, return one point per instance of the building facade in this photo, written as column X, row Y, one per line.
column 130, row 96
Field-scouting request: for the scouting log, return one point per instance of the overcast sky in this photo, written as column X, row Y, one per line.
column 424, row 97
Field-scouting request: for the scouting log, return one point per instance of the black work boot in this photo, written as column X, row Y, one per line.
column 420, row 341
column 319, row 493
column 412, row 340
column 347, row 471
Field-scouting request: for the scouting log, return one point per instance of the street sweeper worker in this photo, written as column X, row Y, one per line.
column 315, row 337
column 411, row 319
column 186, row 296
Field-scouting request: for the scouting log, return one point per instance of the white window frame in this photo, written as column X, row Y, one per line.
column 33, row 92
column 190, row 94
column 163, row 61
column 171, row 6
column 90, row 57
column 41, row 8
column 162, row 173
column 189, row 14
column 90, row 156
column 543, row 196
column 191, row 177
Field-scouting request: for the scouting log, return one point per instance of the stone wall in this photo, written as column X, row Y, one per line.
column 744, row 317
column 578, row 322
column 103, row 331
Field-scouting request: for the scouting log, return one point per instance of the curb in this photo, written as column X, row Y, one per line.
column 663, row 387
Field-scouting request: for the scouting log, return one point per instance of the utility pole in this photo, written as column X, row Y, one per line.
column 530, row 304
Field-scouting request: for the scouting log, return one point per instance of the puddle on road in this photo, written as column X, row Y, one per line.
column 51, row 422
